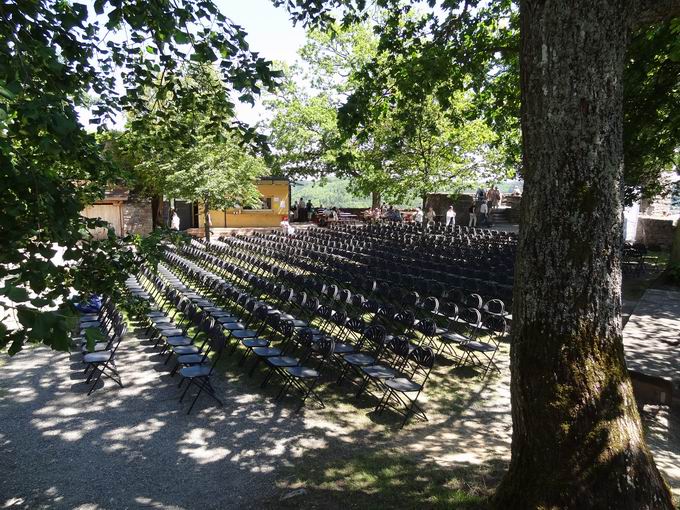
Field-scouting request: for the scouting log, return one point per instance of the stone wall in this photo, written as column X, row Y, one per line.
column 440, row 202
column 655, row 232
column 514, row 202
column 137, row 216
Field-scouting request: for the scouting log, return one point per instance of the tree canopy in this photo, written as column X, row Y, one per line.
column 401, row 149
column 56, row 57
column 475, row 46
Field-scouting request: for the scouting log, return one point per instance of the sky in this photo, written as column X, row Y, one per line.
column 270, row 32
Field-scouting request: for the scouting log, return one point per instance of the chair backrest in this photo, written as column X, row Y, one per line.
column 325, row 347
column 431, row 304
column 427, row 327
column 496, row 327
column 374, row 334
column 495, row 307
column 419, row 364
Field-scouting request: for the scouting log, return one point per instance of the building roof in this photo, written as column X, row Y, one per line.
column 274, row 178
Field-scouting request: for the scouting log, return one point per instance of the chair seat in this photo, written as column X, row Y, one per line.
column 89, row 317
column 97, row 357
column 185, row 349
column 297, row 323
column 267, row 352
column 233, row 326
column 227, row 319
column 212, row 309
column 478, row 346
column 403, row 384
column 99, row 346
column 165, row 326
column 178, row 340
column 342, row 348
column 302, row 372
column 220, row 314
column 171, row 332
column 283, row 361
column 190, row 359
column 380, row 372
column 244, row 333
column 90, row 324
column 454, row 337
column 359, row 359
column 195, row 371
column 155, row 314
column 255, row 342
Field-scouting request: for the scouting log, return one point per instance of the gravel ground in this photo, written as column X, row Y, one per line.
column 135, row 447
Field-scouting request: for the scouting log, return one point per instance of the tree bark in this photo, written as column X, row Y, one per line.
column 206, row 220
column 577, row 438
column 157, row 211
column 375, row 199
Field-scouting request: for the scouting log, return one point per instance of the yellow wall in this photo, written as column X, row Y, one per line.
column 257, row 217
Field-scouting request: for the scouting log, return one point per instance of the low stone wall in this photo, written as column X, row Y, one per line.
column 441, row 202
column 655, row 232
column 137, row 216
column 514, row 202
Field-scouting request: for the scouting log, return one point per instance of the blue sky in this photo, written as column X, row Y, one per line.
column 270, row 33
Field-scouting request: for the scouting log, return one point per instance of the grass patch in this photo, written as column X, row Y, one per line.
column 380, row 480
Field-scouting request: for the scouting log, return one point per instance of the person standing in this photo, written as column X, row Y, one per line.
column 418, row 216
column 484, row 213
column 473, row 216
column 450, row 217
column 302, row 211
column 174, row 220
column 430, row 216
column 308, row 211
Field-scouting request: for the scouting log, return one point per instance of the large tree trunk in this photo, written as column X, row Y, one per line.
column 577, row 440
column 375, row 199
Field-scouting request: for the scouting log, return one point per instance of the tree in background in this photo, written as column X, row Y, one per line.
column 218, row 175
column 577, row 436
column 55, row 57
column 402, row 149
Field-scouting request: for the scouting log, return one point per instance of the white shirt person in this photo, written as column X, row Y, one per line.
column 450, row 217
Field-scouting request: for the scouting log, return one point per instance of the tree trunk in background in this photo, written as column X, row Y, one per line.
column 157, row 211
column 424, row 197
column 675, row 248
column 577, row 440
column 206, row 220
column 375, row 199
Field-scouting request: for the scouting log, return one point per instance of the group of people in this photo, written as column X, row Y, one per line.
column 301, row 211
column 484, row 203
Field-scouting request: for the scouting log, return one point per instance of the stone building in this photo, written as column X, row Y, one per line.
column 125, row 212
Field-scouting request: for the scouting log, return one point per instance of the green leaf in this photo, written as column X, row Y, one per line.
column 180, row 37
column 17, row 294
column 93, row 335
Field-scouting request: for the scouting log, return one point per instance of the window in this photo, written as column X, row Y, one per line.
column 265, row 203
